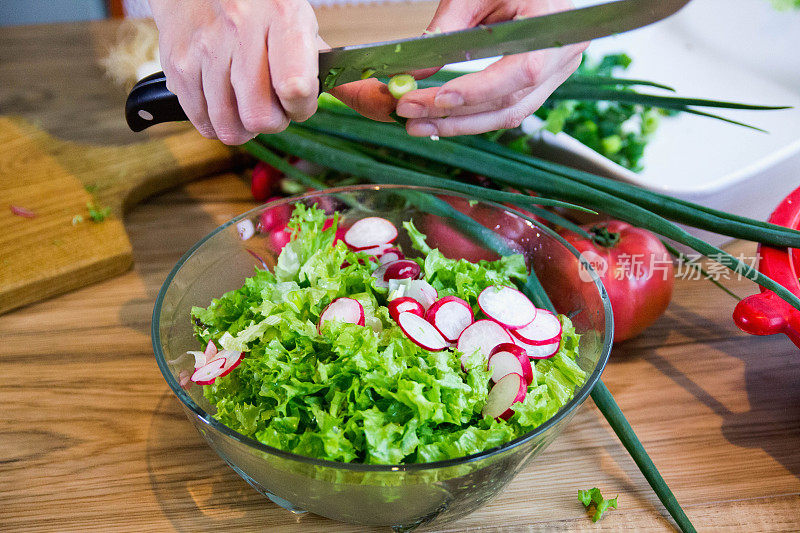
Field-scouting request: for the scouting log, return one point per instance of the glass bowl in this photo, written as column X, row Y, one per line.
column 406, row 495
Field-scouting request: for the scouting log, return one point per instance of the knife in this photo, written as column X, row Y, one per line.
column 150, row 102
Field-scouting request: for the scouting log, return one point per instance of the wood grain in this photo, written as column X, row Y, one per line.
column 715, row 408
column 52, row 253
column 91, row 438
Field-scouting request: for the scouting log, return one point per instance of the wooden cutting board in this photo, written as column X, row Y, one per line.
column 49, row 254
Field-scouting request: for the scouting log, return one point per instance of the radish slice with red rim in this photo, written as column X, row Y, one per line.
column 504, row 365
column 206, row 374
column 481, row 336
column 378, row 274
column 369, row 232
column 421, row 332
column 405, row 304
column 421, row 291
column 540, row 351
column 509, row 390
column 389, row 255
column 507, row 306
column 402, row 269
column 342, row 310
column 545, row 329
column 211, row 350
column 378, row 250
column 232, row 360
column 451, row 315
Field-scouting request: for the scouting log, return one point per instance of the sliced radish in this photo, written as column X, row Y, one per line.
column 246, row 229
column 504, row 365
column 389, row 255
column 185, row 379
column 200, row 358
column 451, row 315
column 481, row 336
column 206, row 374
column 540, row 351
column 421, row 291
column 369, row 232
column 211, row 350
column 377, row 250
column 507, row 306
column 509, row 390
column 402, row 269
column 342, row 310
column 405, row 305
column 378, row 274
column 22, row 211
column 421, row 332
column 545, row 329
column 232, row 360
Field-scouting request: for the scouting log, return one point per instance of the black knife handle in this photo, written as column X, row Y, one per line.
column 150, row 102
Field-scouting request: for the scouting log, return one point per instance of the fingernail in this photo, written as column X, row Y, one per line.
column 423, row 129
column 410, row 110
column 448, row 99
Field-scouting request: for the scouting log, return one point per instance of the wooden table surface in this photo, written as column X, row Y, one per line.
column 92, row 438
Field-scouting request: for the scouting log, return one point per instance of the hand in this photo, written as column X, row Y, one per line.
column 501, row 95
column 240, row 67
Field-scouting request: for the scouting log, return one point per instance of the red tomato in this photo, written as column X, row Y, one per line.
column 635, row 269
column 451, row 240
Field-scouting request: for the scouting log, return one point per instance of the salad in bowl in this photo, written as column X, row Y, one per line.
column 350, row 368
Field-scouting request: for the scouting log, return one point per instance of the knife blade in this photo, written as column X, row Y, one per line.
column 150, row 102
column 349, row 63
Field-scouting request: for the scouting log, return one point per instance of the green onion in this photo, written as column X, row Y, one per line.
column 401, row 84
column 608, row 406
column 508, row 172
column 294, row 141
column 548, row 178
column 664, row 102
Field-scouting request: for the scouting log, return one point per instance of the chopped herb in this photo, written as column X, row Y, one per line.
column 77, row 219
column 96, row 213
column 397, row 48
column 91, row 188
column 616, row 130
column 786, row 5
column 593, row 499
column 330, row 79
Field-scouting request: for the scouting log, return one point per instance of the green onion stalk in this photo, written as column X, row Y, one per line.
column 382, row 153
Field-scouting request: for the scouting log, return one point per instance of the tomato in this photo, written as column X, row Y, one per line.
column 446, row 235
column 636, row 271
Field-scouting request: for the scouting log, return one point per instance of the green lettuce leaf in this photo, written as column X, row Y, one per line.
column 355, row 393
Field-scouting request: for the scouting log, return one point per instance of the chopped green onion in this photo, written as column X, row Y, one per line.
column 401, row 84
